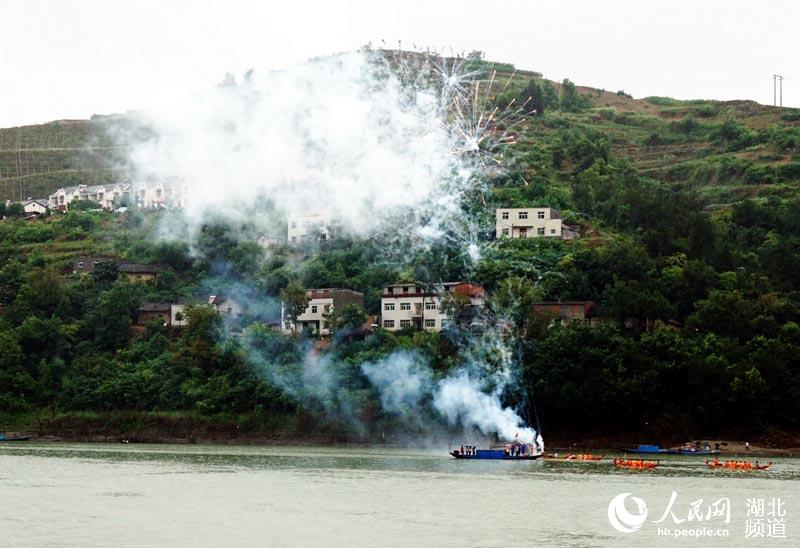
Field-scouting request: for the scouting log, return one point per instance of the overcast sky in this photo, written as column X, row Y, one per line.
column 73, row 58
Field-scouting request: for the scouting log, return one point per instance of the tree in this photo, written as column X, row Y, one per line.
column 112, row 317
column 295, row 301
column 351, row 317
column 532, row 98
column 633, row 304
column 571, row 100
column 105, row 271
column 83, row 205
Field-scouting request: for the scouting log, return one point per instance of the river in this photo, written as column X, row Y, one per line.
column 216, row 495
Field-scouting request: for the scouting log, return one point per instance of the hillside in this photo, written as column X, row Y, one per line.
column 723, row 151
column 688, row 256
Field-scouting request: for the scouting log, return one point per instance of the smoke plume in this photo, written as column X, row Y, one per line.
column 380, row 147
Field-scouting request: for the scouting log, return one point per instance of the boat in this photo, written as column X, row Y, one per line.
column 508, row 451
column 584, row 457
column 3, row 438
column 657, row 450
column 636, row 463
column 737, row 465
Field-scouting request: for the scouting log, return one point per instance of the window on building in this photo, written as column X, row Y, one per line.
column 430, row 305
column 523, row 214
column 405, row 289
column 294, row 225
column 405, row 306
column 405, row 323
column 327, row 308
column 505, row 232
column 294, row 239
column 504, row 215
column 430, row 323
column 388, row 323
column 313, row 309
column 540, row 231
column 388, row 306
column 552, row 231
column 540, row 214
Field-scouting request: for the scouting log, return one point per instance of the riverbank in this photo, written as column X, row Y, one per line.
column 304, row 429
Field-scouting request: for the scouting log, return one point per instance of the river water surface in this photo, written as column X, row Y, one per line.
column 204, row 495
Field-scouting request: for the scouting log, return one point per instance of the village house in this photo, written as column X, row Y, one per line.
column 308, row 225
column 157, row 195
column 86, row 265
column 323, row 310
column 225, row 306
column 34, row 207
column 177, row 315
column 149, row 312
column 134, row 272
column 106, row 196
column 139, row 273
column 532, row 222
column 142, row 194
column 430, row 308
column 567, row 311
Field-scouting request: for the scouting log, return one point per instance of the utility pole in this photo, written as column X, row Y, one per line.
column 777, row 82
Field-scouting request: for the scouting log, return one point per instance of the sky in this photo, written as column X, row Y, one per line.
column 74, row 58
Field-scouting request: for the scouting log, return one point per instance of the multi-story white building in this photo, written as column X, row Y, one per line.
column 104, row 195
column 309, row 224
column 157, row 195
column 427, row 307
column 144, row 195
column 323, row 310
column 531, row 222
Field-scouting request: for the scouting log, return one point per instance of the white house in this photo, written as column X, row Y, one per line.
column 34, row 207
column 177, row 314
column 104, row 195
column 309, row 224
column 142, row 194
column 225, row 306
column 531, row 222
column 429, row 308
column 323, row 310
column 157, row 195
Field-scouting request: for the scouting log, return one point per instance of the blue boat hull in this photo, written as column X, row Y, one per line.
column 655, row 450
column 493, row 454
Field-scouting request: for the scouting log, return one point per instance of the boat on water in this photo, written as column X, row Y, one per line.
column 657, row 450
column 737, row 465
column 3, row 437
column 641, row 464
column 584, row 457
column 508, row 451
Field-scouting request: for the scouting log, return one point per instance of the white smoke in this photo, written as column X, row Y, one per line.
column 462, row 399
column 469, row 397
column 340, row 134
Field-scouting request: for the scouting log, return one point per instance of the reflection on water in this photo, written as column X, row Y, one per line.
column 170, row 495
